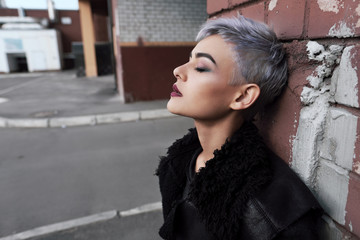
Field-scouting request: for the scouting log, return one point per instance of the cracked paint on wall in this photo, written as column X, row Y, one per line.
column 272, row 4
column 323, row 149
column 325, row 138
column 330, row 5
column 341, row 30
column 356, row 167
column 357, row 11
column 344, row 86
column 313, row 116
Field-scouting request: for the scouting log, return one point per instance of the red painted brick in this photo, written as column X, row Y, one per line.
column 233, row 13
column 256, row 12
column 278, row 124
column 287, row 18
column 7, row 12
column 299, row 66
column 214, row 6
column 237, row 2
column 345, row 14
column 352, row 207
column 297, row 54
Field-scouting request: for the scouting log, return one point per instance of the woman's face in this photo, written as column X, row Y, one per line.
column 202, row 91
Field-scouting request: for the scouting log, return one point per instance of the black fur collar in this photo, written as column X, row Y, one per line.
column 221, row 190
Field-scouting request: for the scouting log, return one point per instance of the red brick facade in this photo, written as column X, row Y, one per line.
column 331, row 24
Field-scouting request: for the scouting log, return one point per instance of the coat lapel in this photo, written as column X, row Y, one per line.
column 238, row 170
column 221, row 190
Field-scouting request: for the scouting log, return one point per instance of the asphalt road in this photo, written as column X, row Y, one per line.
column 53, row 175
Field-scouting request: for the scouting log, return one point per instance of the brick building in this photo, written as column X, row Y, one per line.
column 314, row 125
column 152, row 38
column 149, row 39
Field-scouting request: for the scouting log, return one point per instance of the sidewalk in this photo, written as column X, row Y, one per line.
column 134, row 224
column 60, row 99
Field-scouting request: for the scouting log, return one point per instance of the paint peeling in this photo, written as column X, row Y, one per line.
column 350, row 227
column 314, row 81
column 315, row 51
column 330, row 5
column 313, row 117
column 309, row 133
column 356, row 167
column 345, row 86
column 329, row 57
column 334, row 57
column 341, row 30
column 308, row 96
column 358, row 24
column 357, row 11
column 321, row 72
column 272, row 4
column 292, row 138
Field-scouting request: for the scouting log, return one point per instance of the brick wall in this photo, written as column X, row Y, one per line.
column 148, row 70
column 314, row 124
column 160, row 20
column 153, row 36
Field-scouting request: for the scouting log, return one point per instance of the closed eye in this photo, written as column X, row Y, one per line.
column 202, row 69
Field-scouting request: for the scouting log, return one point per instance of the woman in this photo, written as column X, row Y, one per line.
column 220, row 181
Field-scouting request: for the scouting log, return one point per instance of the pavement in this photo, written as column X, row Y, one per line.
column 60, row 99
column 135, row 224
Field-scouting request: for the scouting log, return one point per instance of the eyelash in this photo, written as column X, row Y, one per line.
column 202, row 70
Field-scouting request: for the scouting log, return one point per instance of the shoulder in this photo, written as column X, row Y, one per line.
column 285, row 189
column 286, row 202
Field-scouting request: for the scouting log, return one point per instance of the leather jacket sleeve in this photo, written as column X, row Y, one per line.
column 307, row 227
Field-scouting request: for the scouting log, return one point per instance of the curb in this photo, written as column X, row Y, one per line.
column 80, row 222
column 90, row 120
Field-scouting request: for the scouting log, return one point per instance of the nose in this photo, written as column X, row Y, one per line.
column 179, row 73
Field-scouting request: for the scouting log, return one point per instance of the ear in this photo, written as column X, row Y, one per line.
column 245, row 97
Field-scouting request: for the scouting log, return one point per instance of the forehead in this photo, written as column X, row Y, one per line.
column 215, row 46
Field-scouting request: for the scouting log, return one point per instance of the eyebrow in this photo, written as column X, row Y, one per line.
column 206, row 55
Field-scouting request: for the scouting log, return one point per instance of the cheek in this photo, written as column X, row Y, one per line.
column 217, row 92
column 211, row 87
column 211, row 100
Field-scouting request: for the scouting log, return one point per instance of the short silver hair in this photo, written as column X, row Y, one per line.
column 259, row 56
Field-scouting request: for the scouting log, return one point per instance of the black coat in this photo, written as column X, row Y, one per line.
column 244, row 192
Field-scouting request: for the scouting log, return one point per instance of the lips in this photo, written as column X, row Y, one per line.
column 175, row 92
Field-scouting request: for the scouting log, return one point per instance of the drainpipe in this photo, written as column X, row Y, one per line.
column 111, row 23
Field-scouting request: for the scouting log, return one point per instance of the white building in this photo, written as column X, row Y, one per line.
column 27, row 37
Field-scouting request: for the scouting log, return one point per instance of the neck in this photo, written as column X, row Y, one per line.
column 212, row 135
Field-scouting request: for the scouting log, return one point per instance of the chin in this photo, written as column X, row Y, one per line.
column 174, row 108
column 170, row 107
